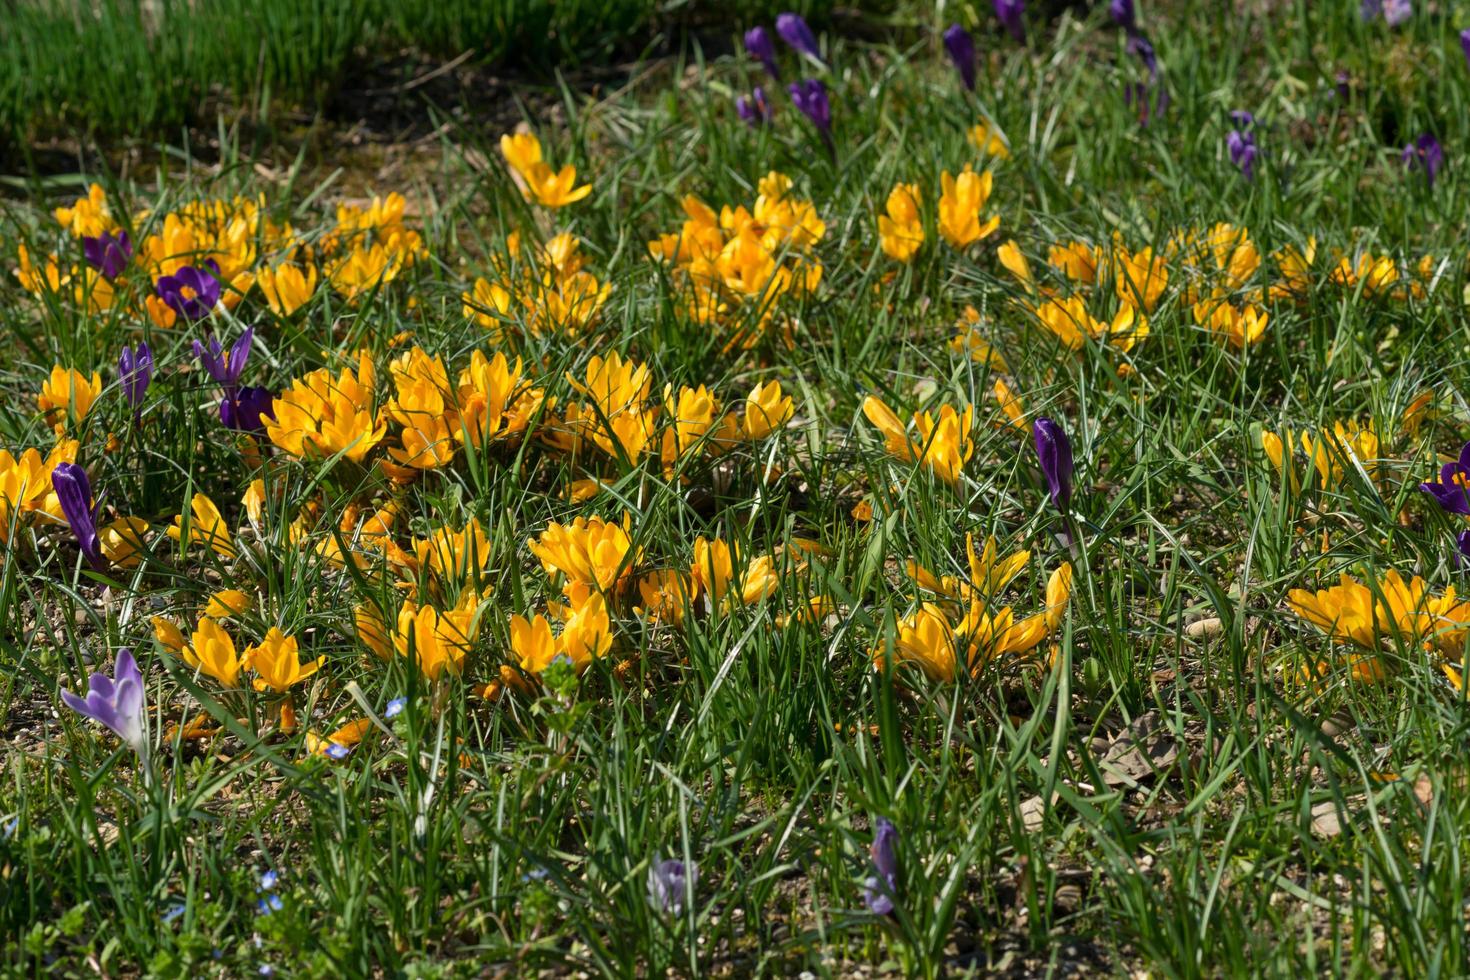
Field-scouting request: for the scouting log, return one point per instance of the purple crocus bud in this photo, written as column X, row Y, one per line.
column 1369, row 9
column 247, row 409
column 961, row 48
column 135, row 370
column 669, row 883
column 1395, row 12
column 879, row 889
column 1012, row 15
column 758, row 45
column 1465, row 44
column 1242, row 118
column 1462, row 548
column 1424, row 152
column 755, row 109
column 794, row 31
column 191, row 292
column 1123, row 15
column 1055, row 452
column 1141, row 48
column 116, row 702
column 225, row 367
column 1243, row 151
column 109, row 254
column 1453, row 489
column 810, row 96
column 74, row 493
column 1344, row 84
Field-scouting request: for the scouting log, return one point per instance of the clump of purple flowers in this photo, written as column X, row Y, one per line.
column 109, row 254
column 880, row 889
column 669, row 882
column 191, row 292
column 1012, row 14
column 754, row 108
column 135, row 371
column 1424, row 153
column 810, row 96
column 1240, row 143
column 1452, row 492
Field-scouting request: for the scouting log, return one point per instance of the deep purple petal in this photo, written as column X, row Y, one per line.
column 961, row 48
column 795, row 31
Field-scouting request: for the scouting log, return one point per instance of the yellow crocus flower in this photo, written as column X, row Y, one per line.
column 68, row 393
column 277, row 663
column 960, row 204
column 590, row 551
column 206, row 525
column 211, row 650
column 287, row 287
column 766, row 410
column 901, row 229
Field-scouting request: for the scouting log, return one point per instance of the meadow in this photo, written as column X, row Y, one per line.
column 947, row 490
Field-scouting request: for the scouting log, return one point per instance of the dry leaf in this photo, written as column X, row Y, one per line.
column 1139, row 752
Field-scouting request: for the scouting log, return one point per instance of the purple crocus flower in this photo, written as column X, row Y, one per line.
column 135, row 370
column 1142, row 49
column 1453, row 489
column 1395, row 12
column 1369, row 9
column 668, row 884
column 810, row 96
column 191, row 292
column 961, row 48
column 116, row 702
column 879, row 889
column 1055, row 452
column 758, row 45
column 1243, row 151
column 1424, row 152
column 754, row 109
column 247, row 409
column 74, row 493
column 1465, row 44
column 109, row 254
column 225, row 367
column 1123, row 14
column 794, row 31
column 1012, row 14
column 1151, row 100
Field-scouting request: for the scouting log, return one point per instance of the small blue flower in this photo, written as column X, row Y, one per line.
column 268, row 881
column 395, row 708
column 271, row 903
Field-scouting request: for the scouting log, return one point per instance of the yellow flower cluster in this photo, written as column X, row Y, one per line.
column 537, row 180
column 942, row 443
column 1386, row 611
column 1330, row 452
column 961, row 203
column 959, row 632
column 735, row 266
column 239, row 245
column 548, row 288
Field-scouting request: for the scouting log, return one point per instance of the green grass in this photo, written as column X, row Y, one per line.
column 123, row 68
column 518, row 834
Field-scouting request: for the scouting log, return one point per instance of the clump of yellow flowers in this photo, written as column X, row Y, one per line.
column 735, row 266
